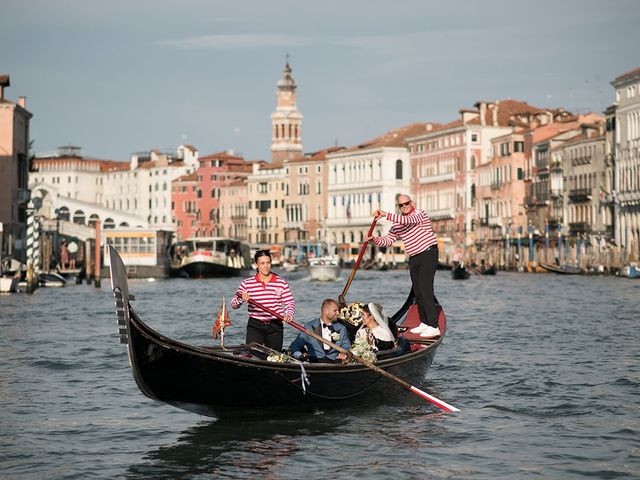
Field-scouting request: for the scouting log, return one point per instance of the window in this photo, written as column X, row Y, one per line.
column 398, row 169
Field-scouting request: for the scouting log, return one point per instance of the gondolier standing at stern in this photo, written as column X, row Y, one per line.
column 271, row 291
column 413, row 226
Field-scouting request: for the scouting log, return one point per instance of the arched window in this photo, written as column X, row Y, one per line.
column 109, row 223
column 78, row 217
column 93, row 219
column 123, row 224
column 63, row 214
column 398, row 169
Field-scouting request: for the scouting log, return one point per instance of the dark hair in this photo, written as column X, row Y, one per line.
column 261, row 253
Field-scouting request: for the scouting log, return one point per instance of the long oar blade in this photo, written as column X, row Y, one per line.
column 437, row 402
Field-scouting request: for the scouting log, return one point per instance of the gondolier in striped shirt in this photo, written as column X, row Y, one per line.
column 271, row 291
column 413, row 226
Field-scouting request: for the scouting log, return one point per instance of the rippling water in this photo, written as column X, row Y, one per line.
column 545, row 369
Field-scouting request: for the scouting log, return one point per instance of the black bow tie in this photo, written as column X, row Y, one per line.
column 324, row 325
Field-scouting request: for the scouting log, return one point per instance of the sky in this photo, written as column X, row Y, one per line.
column 119, row 77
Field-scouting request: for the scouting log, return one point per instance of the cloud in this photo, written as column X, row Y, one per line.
column 235, row 41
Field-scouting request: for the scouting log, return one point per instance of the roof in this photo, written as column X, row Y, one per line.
column 627, row 76
column 394, row 138
column 505, row 110
column 104, row 165
column 190, row 177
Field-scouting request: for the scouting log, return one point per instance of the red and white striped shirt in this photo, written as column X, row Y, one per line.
column 275, row 295
column 414, row 229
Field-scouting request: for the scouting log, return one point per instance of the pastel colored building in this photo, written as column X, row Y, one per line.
column 14, row 171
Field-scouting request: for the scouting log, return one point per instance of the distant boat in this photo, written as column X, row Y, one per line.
column 562, row 269
column 324, row 269
column 631, row 271
column 460, row 272
column 45, row 279
column 488, row 271
column 210, row 257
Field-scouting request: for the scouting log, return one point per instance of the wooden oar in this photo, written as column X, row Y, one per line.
column 439, row 403
column 341, row 297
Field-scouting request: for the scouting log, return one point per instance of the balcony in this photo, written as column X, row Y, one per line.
column 576, row 228
column 294, row 225
column 581, row 161
column 496, row 185
column 537, row 200
column 580, row 195
column 441, row 214
column 443, row 177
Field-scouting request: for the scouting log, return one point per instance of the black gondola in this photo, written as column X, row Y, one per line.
column 488, row 271
column 460, row 272
column 562, row 269
column 214, row 381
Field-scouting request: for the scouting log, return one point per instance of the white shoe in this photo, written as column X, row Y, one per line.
column 430, row 332
column 419, row 329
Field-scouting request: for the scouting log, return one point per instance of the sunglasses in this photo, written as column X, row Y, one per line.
column 404, row 204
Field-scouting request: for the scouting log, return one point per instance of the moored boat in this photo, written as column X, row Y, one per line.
column 562, row 269
column 210, row 257
column 215, row 381
column 324, row 269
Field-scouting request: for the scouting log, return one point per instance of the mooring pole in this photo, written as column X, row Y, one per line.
column 96, row 256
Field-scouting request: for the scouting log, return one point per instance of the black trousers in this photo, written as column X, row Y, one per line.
column 267, row 334
column 422, row 268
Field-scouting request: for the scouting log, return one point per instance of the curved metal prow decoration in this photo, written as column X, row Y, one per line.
column 120, row 288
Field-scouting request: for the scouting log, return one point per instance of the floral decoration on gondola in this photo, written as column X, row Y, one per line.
column 363, row 349
column 352, row 313
column 279, row 358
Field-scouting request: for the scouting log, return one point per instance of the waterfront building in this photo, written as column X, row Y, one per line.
column 184, row 205
column 234, row 209
column 627, row 162
column 502, row 179
column 306, row 197
column 267, row 187
column 446, row 161
column 586, row 177
column 544, row 200
column 82, row 190
column 215, row 171
column 14, row 172
column 365, row 177
column 146, row 186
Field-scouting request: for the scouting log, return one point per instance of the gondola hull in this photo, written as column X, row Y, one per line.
column 460, row 273
column 213, row 381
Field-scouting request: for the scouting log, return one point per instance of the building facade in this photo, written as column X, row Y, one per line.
column 14, row 172
column 627, row 162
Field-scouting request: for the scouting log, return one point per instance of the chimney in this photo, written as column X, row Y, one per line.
column 429, row 127
column 4, row 82
column 494, row 110
column 22, row 101
column 483, row 111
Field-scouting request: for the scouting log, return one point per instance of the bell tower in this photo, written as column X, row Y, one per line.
column 286, row 121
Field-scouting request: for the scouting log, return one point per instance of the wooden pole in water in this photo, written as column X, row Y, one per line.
column 87, row 261
column 96, row 256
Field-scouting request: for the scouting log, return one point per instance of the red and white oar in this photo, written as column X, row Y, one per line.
column 437, row 402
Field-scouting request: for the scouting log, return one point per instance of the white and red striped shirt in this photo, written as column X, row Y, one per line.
column 275, row 295
column 414, row 229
